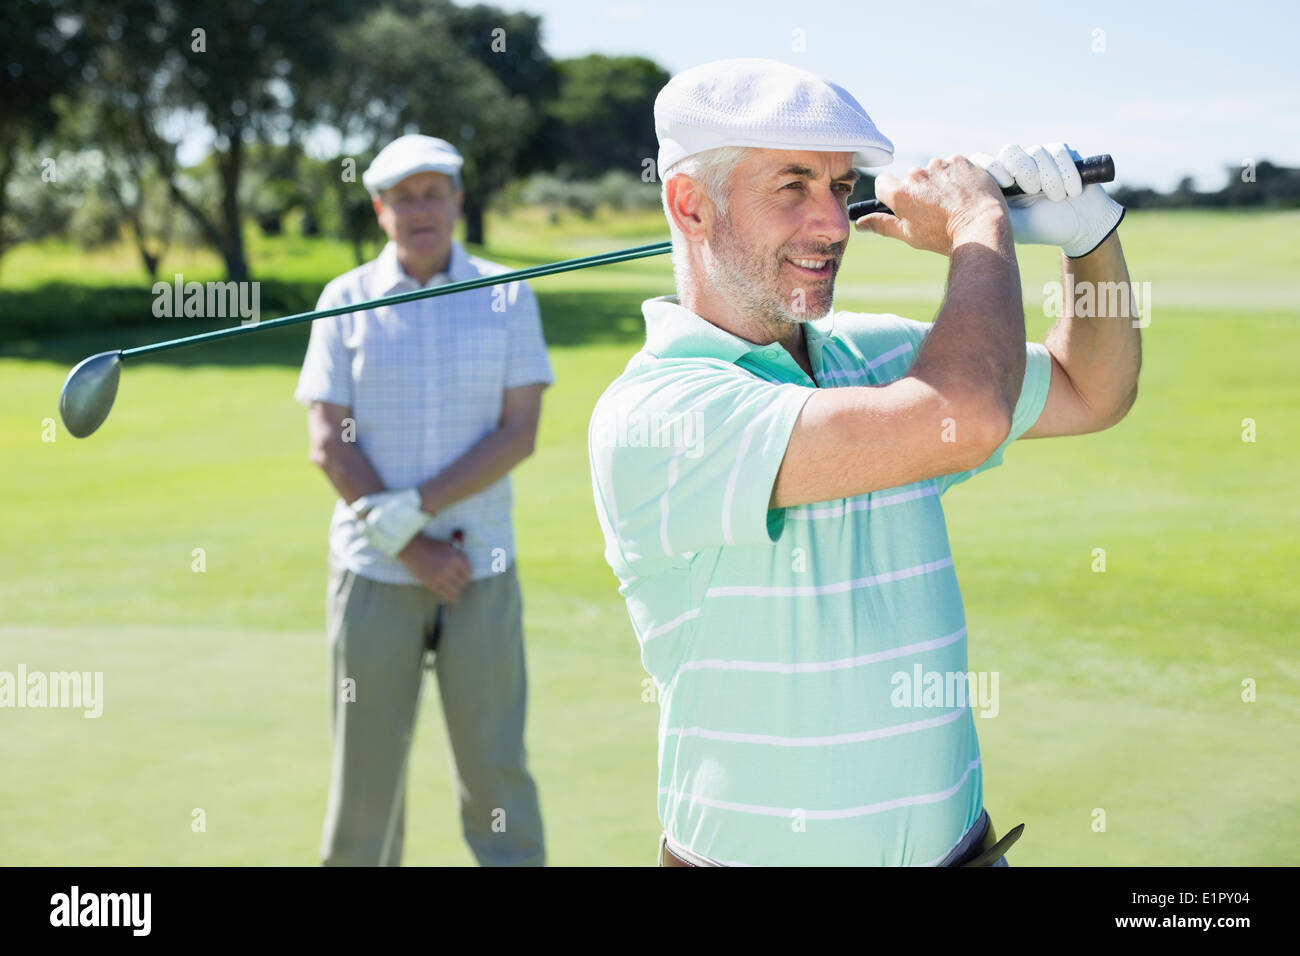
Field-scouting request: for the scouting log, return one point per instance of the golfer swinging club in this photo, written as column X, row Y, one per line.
column 768, row 473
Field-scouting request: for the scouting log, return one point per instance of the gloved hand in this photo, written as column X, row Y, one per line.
column 1057, row 209
column 392, row 518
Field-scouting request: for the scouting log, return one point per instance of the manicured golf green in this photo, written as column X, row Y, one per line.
column 1120, row 691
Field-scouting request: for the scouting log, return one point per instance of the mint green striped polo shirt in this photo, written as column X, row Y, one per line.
column 774, row 636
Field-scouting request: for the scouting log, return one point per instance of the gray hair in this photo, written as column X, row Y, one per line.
column 712, row 168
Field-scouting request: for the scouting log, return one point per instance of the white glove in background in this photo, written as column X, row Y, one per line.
column 1057, row 209
column 392, row 518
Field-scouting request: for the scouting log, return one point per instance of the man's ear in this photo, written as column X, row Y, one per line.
column 376, row 203
column 690, row 207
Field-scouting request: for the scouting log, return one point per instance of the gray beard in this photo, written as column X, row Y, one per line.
column 753, row 282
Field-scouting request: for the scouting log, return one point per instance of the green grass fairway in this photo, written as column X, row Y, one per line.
column 1119, row 691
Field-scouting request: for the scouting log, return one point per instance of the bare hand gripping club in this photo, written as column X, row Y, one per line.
column 1092, row 169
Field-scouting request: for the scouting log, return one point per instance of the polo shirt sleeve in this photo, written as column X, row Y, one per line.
column 1033, row 396
column 526, row 360
column 327, row 368
column 888, row 335
column 684, row 455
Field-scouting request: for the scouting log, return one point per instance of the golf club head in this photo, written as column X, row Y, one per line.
column 88, row 393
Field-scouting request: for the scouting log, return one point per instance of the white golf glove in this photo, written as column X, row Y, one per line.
column 1056, row 209
column 392, row 519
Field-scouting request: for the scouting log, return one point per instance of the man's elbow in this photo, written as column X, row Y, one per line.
column 323, row 452
column 525, row 442
column 994, row 432
column 989, row 425
column 1122, row 409
column 520, row 437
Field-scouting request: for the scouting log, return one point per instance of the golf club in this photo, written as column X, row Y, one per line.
column 1092, row 169
column 435, row 635
column 90, row 388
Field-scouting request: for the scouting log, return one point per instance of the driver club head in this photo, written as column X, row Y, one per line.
column 90, row 388
column 88, row 393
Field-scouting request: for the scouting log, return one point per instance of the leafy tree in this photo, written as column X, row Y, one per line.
column 473, row 76
column 230, row 64
column 603, row 115
column 43, row 48
column 126, row 183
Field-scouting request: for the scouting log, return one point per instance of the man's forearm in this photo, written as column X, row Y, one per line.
column 486, row 462
column 1101, row 351
column 352, row 476
column 347, row 469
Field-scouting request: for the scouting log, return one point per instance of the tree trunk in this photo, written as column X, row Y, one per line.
column 164, row 153
column 132, row 213
column 7, row 150
column 210, row 232
column 473, row 218
column 232, row 237
column 147, row 259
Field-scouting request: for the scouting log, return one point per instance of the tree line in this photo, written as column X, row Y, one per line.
column 97, row 97
column 1256, row 184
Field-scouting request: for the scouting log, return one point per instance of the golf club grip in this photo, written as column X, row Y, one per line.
column 435, row 636
column 1092, row 169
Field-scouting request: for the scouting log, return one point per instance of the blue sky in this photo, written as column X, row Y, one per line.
column 1180, row 88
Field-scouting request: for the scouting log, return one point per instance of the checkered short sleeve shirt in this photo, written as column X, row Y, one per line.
column 424, row 381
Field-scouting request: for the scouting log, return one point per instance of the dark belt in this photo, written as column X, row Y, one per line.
column 985, row 852
column 989, row 849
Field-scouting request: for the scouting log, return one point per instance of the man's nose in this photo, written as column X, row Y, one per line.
column 830, row 219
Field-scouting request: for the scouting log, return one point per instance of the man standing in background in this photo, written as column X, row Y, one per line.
column 421, row 410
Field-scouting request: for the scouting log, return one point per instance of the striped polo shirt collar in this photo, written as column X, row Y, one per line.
column 390, row 276
column 674, row 331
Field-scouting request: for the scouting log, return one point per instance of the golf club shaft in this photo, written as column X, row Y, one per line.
column 1092, row 169
column 532, row 272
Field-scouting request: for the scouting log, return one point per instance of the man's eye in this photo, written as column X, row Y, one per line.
column 844, row 188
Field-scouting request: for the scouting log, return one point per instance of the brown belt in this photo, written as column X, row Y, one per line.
column 668, row 858
column 985, row 853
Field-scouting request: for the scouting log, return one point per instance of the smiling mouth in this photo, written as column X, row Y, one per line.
column 822, row 268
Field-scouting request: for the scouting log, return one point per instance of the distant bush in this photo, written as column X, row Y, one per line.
column 616, row 190
column 621, row 190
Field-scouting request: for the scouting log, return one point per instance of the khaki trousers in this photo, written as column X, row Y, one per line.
column 376, row 634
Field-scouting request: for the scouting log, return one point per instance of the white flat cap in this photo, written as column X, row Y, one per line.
column 408, row 155
column 763, row 103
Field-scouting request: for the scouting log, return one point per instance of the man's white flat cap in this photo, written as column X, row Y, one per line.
column 763, row 103
column 408, row 155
